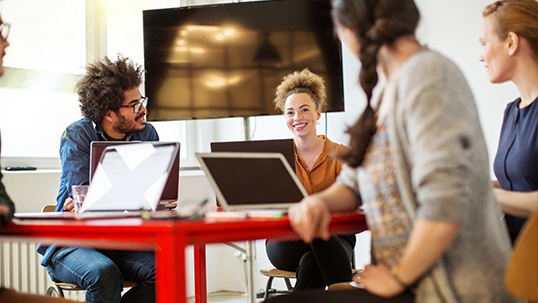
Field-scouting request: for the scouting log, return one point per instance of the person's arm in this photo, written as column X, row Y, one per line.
column 6, row 205
column 428, row 242
column 7, row 208
column 75, row 158
column 311, row 217
column 519, row 204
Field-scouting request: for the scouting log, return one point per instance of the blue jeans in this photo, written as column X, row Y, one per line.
column 102, row 272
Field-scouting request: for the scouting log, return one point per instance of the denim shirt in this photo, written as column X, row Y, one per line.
column 75, row 158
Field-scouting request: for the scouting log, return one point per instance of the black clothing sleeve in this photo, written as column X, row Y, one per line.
column 5, row 200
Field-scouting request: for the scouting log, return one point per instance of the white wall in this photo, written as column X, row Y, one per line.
column 451, row 27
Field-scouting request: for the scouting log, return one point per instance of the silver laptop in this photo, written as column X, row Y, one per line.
column 171, row 190
column 130, row 176
column 245, row 181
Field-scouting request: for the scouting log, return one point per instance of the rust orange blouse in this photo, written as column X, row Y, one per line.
column 324, row 171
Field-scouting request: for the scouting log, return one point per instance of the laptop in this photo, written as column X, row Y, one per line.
column 131, row 176
column 283, row 146
column 171, row 190
column 127, row 177
column 252, row 181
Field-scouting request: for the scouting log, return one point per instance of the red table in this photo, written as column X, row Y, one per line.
column 168, row 238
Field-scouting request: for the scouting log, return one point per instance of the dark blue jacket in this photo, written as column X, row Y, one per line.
column 516, row 161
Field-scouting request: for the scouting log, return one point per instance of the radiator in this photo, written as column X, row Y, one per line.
column 20, row 270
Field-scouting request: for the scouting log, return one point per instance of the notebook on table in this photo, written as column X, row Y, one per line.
column 252, row 181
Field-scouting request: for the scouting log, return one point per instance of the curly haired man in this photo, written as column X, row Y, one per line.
column 113, row 110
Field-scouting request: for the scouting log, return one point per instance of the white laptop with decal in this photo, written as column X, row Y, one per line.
column 130, row 176
column 171, row 189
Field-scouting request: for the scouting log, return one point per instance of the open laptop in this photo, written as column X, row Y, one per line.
column 171, row 189
column 247, row 181
column 283, row 146
column 127, row 177
column 130, row 176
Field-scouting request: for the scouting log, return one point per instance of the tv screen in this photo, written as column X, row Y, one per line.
column 226, row 60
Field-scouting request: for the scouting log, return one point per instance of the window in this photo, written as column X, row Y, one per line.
column 50, row 43
column 41, row 64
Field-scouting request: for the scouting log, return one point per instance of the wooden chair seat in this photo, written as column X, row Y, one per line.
column 57, row 288
column 277, row 273
column 340, row 286
column 343, row 285
column 48, row 208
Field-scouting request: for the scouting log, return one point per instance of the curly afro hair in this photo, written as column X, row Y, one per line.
column 104, row 85
column 304, row 81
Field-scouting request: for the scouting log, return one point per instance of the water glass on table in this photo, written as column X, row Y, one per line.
column 79, row 193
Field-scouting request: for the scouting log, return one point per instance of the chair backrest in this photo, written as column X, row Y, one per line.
column 521, row 277
column 48, row 208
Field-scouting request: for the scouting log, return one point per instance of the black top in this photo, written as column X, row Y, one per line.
column 516, row 162
column 5, row 200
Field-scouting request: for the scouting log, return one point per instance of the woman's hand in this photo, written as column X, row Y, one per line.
column 4, row 209
column 378, row 280
column 519, row 204
column 68, row 205
column 310, row 219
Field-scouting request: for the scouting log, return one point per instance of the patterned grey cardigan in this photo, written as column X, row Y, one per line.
column 441, row 166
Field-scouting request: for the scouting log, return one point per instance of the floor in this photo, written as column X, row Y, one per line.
column 225, row 297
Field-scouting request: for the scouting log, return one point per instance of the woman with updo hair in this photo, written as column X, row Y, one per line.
column 509, row 36
column 418, row 165
column 301, row 97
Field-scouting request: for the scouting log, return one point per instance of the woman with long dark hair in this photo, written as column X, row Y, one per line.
column 420, row 160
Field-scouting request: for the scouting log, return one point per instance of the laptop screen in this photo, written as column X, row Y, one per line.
column 171, row 189
column 283, row 146
column 252, row 180
column 131, row 176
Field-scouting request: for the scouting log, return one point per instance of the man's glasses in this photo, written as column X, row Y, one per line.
column 136, row 107
column 4, row 30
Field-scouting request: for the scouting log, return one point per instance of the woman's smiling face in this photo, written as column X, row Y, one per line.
column 301, row 114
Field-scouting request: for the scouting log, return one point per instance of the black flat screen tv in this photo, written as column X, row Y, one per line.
column 226, row 60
